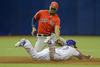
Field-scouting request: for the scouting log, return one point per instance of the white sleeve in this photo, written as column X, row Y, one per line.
column 75, row 52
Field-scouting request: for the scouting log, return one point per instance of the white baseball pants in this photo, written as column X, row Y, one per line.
column 39, row 46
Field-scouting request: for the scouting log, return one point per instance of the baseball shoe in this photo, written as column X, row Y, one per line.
column 47, row 40
column 20, row 43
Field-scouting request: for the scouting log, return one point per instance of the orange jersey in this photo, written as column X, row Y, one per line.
column 46, row 24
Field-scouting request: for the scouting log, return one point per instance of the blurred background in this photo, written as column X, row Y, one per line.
column 78, row 17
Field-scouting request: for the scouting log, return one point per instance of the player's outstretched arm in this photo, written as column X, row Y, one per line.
column 81, row 56
column 57, row 32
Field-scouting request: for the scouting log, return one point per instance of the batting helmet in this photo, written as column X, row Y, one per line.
column 71, row 42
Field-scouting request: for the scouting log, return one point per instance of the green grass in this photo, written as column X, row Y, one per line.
column 44, row 65
column 7, row 46
column 86, row 44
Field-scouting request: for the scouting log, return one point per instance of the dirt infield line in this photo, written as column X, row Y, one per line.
column 29, row 60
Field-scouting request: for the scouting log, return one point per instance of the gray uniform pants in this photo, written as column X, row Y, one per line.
column 39, row 46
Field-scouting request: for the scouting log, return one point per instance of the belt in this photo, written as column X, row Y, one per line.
column 44, row 34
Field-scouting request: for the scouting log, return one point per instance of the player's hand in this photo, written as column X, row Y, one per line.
column 87, row 56
column 33, row 31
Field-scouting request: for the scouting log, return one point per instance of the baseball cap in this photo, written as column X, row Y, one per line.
column 54, row 5
column 71, row 42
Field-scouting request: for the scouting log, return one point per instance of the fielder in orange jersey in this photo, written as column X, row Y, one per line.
column 48, row 23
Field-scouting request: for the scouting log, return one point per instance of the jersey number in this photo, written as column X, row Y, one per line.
column 64, row 48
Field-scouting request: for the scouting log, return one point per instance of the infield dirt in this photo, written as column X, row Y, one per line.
column 29, row 60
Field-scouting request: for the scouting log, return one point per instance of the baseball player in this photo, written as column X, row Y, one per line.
column 52, row 53
column 48, row 22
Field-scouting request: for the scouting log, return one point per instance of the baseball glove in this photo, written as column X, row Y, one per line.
column 59, row 43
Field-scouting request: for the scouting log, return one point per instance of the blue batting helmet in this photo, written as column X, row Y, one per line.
column 71, row 42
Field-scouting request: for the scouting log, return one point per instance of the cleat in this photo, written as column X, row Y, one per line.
column 17, row 44
column 20, row 43
column 47, row 40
